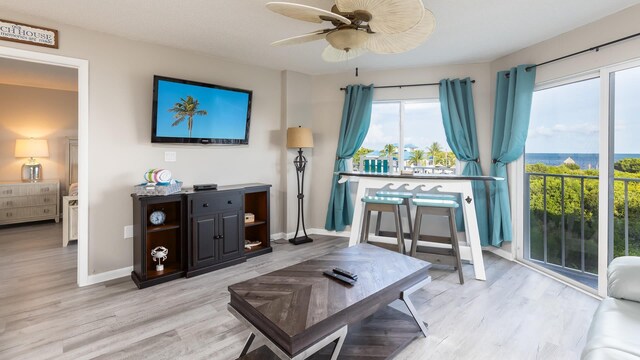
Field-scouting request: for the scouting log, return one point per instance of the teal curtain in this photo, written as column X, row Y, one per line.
column 514, row 91
column 356, row 117
column 459, row 119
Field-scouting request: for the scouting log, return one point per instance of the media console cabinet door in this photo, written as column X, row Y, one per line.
column 232, row 226
column 205, row 241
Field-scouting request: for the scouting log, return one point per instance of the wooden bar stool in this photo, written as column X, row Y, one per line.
column 405, row 196
column 382, row 204
column 439, row 207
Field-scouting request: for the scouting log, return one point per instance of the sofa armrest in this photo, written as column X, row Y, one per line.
column 624, row 278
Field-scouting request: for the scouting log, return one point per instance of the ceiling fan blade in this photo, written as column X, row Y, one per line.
column 305, row 13
column 317, row 35
column 331, row 54
column 387, row 16
column 396, row 43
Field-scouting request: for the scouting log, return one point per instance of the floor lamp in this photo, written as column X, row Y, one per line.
column 300, row 138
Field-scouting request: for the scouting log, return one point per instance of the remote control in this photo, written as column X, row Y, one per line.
column 340, row 277
column 344, row 272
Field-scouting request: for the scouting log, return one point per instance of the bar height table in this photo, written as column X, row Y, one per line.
column 427, row 182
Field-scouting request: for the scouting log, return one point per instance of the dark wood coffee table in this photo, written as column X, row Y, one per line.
column 299, row 311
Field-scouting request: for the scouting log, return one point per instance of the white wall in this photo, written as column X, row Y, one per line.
column 327, row 113
column 296, row 111
column 39, row 113
column 120, row 76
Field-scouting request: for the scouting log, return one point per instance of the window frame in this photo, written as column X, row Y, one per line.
column 516, row 173
column 401, row 117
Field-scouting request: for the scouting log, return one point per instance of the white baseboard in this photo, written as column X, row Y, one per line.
column 106, row 276
column 500, row 252
column 119, row 273
column 312, row 231
column 317, row 231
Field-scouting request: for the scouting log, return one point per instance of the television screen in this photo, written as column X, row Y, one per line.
column 192, row 112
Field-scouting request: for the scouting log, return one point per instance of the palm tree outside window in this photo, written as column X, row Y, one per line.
column 412, row 132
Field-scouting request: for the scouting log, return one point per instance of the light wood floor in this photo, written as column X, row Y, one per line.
column 516, row 314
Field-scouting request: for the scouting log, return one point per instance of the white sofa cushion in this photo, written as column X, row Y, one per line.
column 624, row 278
column 614, row 332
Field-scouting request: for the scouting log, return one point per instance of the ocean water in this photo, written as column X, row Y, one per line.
column 585, row 161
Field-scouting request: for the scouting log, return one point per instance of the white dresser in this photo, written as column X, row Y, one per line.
column 24, row 202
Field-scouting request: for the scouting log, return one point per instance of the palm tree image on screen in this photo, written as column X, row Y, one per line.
column 186, row 109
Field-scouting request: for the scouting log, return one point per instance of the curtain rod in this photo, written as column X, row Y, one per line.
column 408, row 85
column 593, row 48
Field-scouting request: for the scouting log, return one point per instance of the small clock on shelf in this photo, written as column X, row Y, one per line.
column 157, row 217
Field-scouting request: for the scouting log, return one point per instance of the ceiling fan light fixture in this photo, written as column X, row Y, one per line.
column 347, row 39
column 331, row 54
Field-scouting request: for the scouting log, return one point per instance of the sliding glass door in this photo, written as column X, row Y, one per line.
column 581, row 183
column 625, row 115
column 561, row 180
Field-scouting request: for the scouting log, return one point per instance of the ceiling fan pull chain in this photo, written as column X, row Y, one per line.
column 356, row 72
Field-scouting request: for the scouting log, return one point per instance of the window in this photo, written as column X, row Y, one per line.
column 561, row 167
column 581, row 187
column 411, row 133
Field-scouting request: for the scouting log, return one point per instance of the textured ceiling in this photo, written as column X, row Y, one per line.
column 467, row 31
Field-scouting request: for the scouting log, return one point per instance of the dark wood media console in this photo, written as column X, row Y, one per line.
column 203, row 231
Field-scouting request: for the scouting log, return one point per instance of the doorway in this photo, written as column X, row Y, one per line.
column 82, row 68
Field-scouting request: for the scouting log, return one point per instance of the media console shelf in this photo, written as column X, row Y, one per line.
column 203, row 231
column 256, row 202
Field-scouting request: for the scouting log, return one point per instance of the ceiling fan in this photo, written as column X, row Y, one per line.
column 358, row 26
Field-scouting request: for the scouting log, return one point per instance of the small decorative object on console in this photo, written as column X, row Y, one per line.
column 249, row 218
column 161, row 176
column 251, row 244
column 150, row 189
column 159, row 254
column 157, row 217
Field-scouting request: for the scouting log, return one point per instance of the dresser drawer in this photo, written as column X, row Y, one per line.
column 43, row 189
column 28, row 212
column 12, row 190
column 43, row 200
column 215, row 202
column 22, row 201
column 14, row 202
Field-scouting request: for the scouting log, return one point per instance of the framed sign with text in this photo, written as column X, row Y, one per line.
column 28, row 34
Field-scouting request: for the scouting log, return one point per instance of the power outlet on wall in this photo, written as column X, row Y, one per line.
column 170, row 156
column 128, row 231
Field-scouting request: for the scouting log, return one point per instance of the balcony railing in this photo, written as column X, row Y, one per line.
column 561, row 223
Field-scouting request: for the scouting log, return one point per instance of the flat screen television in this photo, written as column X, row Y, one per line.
column 189, row 112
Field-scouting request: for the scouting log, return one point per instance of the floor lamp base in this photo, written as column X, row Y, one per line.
column 300, row 240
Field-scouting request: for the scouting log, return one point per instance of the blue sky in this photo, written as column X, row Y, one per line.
column 565, row 119
column 226, row 112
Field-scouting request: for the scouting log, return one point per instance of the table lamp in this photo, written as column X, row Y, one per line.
column 300, row 138
column 31, row 148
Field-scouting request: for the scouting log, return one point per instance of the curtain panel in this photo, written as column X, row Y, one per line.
column 459, row 120
column 514, row 93
column 356, row 117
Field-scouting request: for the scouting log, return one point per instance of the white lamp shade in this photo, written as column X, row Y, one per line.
column 32, row 148
column 299, row 137
column 344, row 39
